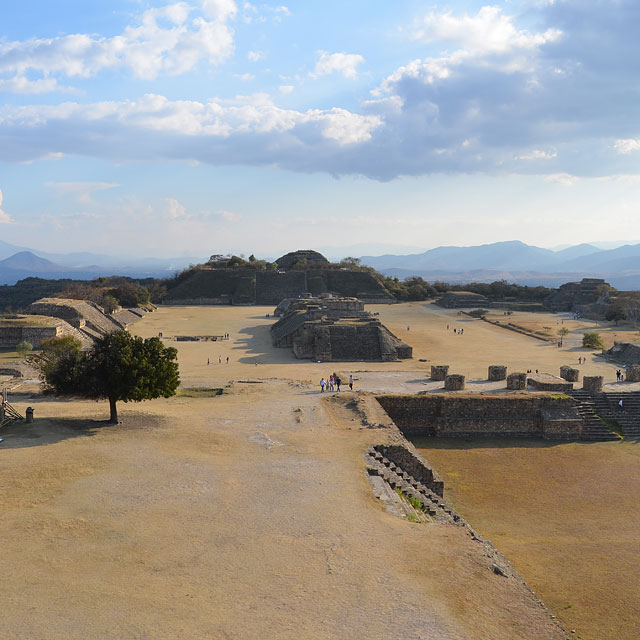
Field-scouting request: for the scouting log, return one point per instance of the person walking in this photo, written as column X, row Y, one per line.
column 351, row 382
column 322, row 385
column 219, row 359
column 338, row 383
column 620, row 405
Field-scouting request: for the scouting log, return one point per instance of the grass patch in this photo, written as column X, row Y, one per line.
column 559, row 396
column 199, row 392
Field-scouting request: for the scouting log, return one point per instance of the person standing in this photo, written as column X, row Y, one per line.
column 322, row 385
column 351, row 382
column 338, row 383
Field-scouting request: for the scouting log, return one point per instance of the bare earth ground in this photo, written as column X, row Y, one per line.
column 248, row 515
column 566, row 515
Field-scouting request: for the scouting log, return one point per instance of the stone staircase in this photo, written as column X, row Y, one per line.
column 432, row 504
column 629, row 418
column 595, row 429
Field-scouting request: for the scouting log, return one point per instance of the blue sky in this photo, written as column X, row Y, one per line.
column 209, row 126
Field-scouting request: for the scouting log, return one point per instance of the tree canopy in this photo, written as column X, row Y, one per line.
column 119, row 367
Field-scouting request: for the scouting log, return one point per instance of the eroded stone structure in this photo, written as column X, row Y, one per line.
column 298, row 273
column 321, row 332
column 592, row 384
column 569, row 373
column 547, row 382
column 578, row 297
column 439, row 371
column 463, row 300
column 517, row 381
column 454, row 382
column 632, row 373
column 625, row 352
column 34, row 329
column 497, row 372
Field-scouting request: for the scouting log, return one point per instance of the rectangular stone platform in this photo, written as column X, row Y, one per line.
column 547, row 382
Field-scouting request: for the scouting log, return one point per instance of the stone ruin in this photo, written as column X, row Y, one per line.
column 439, row 371
column 569, row 374
column 298, row 272
column 454, row 382
column 577, row 296
column 517, row 381
column 625, row 352
column 463, row 300
column 497, row 372
column 339, row 306
column 632, row 373
column 321, row 332
column 547, row 382
column 592, row 384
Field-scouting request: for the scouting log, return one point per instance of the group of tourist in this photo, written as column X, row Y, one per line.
column 219, row 360
column 619, row 376
column 333, row 382
column 458, row 332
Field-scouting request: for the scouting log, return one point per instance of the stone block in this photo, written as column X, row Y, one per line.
column 632, row 373
column 569, row 374
column 454, row 382
column 592, row 384
column 517, row 381
column 439, row 372
column 497, row 372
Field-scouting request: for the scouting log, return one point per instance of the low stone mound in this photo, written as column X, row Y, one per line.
column 34, row 329
column 462, row 300
column 626, row 352
column 87, row 317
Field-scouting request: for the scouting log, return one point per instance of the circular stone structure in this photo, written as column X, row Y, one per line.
column 633, row 373
column 454, row 382
column 592, row 384
column 439, row 371
column 497, row 372
column 517, row 381
column 569, row 374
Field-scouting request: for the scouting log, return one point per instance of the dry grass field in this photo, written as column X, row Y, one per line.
column 247, row 515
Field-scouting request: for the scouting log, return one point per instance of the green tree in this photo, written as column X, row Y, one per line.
column 563, row 331
column 119, row 367
column 592, row 341
column 24, row 347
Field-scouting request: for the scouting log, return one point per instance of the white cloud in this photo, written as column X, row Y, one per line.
column 563, row 179
column 175, row 210
column 344, row 63
column 286, row 89
column 627, row 145
column 489, row 31
column 80, row 191
column 538, row 154
column 172, row 39
column 5, row 218
column 255, row 56
column 245, row 77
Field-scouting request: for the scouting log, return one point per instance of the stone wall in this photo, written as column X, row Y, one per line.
column 10, row 337
column 462, row 300
column 569, row 373
column 504, row 415
column 274, row 286
column 592, row 384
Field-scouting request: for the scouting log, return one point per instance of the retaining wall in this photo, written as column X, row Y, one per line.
column 505, row 415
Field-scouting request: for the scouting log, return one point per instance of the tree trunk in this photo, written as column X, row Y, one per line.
column 113, row 418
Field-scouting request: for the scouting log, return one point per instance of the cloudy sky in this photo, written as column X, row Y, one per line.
column 208, row 126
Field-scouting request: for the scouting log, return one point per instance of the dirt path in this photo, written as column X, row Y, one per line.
column 242, row 516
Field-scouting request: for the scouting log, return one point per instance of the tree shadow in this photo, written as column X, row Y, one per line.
column 46, row 431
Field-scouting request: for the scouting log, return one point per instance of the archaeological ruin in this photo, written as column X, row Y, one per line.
column 328, row 328
column 227, row 281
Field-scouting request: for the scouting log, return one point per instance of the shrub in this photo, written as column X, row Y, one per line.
column 592, row 341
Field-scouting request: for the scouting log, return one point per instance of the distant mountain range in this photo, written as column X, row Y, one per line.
column 517, row 262
column 17, row 263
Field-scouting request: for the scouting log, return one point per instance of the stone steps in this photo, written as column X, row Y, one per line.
column 432, row 504
column 595, row 430
column 606, row 404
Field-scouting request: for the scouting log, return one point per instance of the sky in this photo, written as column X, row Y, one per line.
column 157, row 128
